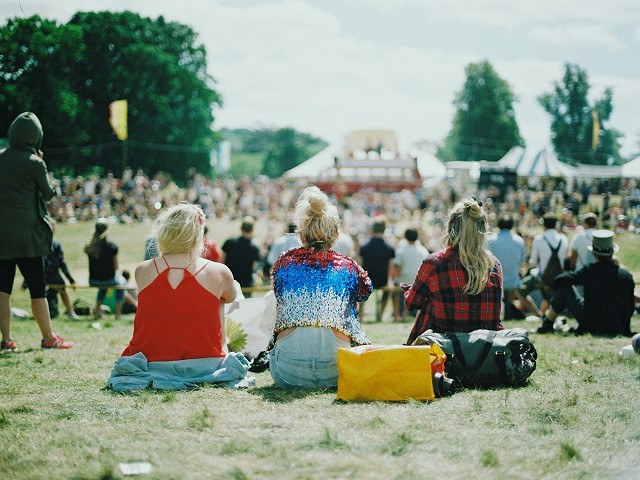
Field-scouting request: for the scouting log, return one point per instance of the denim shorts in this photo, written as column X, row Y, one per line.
column 104, row 285
column 306, row 358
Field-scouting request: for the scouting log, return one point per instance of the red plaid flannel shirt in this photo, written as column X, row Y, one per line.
column 444, row 307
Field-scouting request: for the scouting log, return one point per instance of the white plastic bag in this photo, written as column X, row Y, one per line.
column 257, row 316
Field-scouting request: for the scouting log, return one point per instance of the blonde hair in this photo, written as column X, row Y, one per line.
column 317, row 220
column 180, row 229
column 466, row 229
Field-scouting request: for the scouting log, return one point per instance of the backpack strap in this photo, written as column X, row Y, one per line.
column 553, row 250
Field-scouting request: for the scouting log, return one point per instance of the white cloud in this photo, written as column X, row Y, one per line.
column 296, row 63
column 583, row 36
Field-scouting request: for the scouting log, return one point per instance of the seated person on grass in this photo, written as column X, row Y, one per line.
column 178, row 331
column 458, row 289
column 317, row 292
column 608, row 301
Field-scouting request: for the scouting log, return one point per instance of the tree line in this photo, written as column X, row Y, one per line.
column 70, row 73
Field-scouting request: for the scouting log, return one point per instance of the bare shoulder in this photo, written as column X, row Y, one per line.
column 145, row 273
column 217, row 278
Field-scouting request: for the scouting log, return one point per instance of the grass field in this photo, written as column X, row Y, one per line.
column 578, row 417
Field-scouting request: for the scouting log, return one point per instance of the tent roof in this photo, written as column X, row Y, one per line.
column 314, row 165
column 536, row 163
column 631, row 169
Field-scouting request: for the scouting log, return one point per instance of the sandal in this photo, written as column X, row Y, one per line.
column 9, row 345
column 56, row 342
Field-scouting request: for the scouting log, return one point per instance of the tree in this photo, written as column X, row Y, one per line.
column 572, row 121
column 37, row 58
column 283, row 155
column 99, row 57
column 484, row 126
column 162, row 72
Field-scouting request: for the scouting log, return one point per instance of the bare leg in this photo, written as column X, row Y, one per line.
column 118, row 310
column 66, row 299
column 97, row 312
column 396, row 306
column 40, row 309
column 530, row 306
column 383, row 302
column 5, row 315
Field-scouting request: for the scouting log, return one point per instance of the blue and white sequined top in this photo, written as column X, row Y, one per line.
column 319, row 288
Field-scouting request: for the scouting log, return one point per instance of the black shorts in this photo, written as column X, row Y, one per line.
column 32, row 269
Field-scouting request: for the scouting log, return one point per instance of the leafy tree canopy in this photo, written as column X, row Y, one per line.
column 484, row 126
column 69, row 74
column 573, row 118
column 269, row 151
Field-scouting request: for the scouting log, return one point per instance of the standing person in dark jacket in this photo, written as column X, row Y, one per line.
column 608, row 301
column 241, row 255
column 103, row 265
column 26, row 226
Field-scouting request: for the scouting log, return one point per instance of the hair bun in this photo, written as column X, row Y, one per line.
column 473, row 209
column 316, row 207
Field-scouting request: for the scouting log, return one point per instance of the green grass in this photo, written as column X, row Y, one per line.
column 578, row 417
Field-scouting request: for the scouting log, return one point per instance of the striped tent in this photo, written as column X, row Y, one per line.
column 540, row 163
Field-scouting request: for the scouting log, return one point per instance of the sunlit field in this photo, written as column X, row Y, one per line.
column 578, row 417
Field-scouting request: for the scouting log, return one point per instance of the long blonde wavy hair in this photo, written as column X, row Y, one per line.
column 466, row 229
column 317, row 219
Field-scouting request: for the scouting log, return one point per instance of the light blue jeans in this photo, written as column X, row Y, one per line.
column 306, row 358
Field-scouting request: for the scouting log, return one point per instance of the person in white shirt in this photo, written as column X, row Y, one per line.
column 540, row 256
column 345, row 245
column 284, row 243
column 509, row 248
column 409, row 258
column 579, row 253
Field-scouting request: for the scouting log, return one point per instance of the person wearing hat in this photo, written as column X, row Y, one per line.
column 103, row 265
column 608, row 301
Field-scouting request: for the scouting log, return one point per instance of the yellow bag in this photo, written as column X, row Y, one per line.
column 388, row 372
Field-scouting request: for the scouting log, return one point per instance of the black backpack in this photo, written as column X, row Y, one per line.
column 554, row 267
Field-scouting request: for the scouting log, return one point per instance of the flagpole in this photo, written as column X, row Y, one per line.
column 125, row 153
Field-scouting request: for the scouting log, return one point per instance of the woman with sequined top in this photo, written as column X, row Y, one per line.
column 317, row 292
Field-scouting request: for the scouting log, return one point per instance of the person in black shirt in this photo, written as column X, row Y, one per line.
column 103, row 265
column 377, row 260
column 241, row 255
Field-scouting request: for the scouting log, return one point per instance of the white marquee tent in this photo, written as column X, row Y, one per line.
column 631, row 169
column 536, row 163
column 312, row 167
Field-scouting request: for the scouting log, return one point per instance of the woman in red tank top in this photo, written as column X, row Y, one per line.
column 181, row 295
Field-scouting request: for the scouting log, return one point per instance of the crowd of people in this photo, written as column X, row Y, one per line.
column 448, row 272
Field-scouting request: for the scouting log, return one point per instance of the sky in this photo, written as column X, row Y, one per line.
column 328, row 67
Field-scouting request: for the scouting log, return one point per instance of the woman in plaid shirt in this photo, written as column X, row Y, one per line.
column 458, row 289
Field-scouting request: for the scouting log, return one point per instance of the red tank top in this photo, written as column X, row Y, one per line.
column 176, row 324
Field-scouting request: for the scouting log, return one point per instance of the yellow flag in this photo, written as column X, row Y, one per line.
column 595, row 137
column 118, row 118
